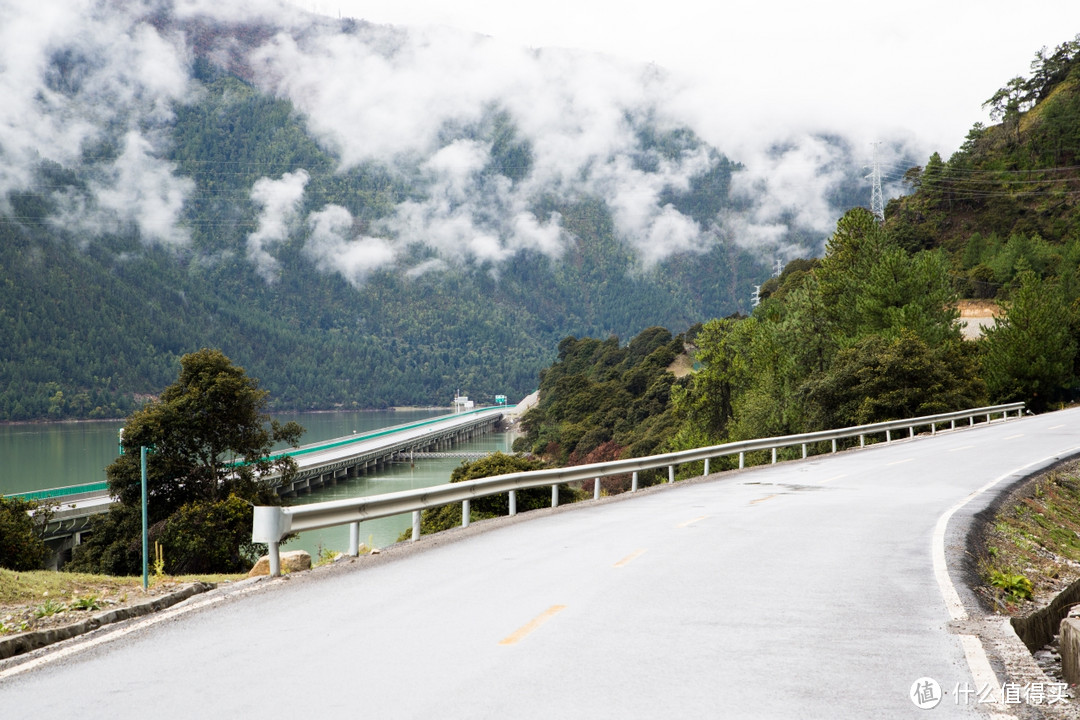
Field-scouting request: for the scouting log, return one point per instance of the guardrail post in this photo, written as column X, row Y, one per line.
column 464, row 513
column 513, row 502
column 933, row 428
column 834, row 444
column 706, row 466
column 952, row 425
column 670, row 474
column 633, row 482
column 971, row 420
column 862, row 441
column 804, row 451
column 354, row 538
column 911, row 431
column 987, row 417
column 742, row 460
column 888, row 436
column 596, row 489
column 774, row 456
column 415, row 525
column 554, row 496
column 275, row 559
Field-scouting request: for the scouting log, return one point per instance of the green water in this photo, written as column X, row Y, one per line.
column 40, row 456
column 43, row 456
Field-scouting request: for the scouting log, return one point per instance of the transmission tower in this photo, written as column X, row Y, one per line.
column 877, row 200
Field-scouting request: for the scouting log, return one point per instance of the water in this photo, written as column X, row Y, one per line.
column 40, row 456
column 44, row 456
column 390, row 478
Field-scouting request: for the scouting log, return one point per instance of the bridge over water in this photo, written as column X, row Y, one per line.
column 320, row 464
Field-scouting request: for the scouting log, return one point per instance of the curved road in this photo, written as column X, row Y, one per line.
column 800, row 590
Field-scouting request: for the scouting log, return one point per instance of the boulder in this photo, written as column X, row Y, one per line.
column 291, row 561
column 1070, row 650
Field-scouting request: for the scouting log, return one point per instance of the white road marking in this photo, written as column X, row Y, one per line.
column 110, row 635
column 974, row 651
column 901, row 462
column 691, row 522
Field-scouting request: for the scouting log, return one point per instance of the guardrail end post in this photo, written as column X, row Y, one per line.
column 634, row 482
column 596, row 489
column 275, row 559
column 554, row 496
column 513, row 502
column 415, row 525
column 354, row 538
column 465, row 510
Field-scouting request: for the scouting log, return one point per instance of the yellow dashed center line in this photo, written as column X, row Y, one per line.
column 763, row 499
column 515, row 637
column 1056, row 427
column 834, row 477
column 691, row 522
column 965, row 447
column 630, row 558
column 901, row 462
column 1013, row 437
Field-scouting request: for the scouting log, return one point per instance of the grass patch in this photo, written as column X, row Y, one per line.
column 1032, row 547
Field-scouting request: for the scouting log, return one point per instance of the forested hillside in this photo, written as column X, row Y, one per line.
column 869, row 332
column 183, row 185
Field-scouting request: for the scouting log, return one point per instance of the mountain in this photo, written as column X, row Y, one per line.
column 1009, row 199
column 360, row 215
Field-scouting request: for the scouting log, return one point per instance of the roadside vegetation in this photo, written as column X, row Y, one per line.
column 1031, row 548
column 38, row 599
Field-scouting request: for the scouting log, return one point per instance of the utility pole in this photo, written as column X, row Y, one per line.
column 877, row 200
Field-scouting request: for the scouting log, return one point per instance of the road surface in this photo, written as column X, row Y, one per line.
column 801, row 590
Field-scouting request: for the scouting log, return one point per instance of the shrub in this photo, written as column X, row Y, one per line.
column 21, row 547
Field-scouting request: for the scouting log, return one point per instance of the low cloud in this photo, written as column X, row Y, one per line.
column 279, row 201
column 93, row 85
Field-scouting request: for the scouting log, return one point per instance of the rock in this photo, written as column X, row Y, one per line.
column 292, row 561
column 1070, row 649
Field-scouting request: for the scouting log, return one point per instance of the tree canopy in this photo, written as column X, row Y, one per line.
column 211, row 444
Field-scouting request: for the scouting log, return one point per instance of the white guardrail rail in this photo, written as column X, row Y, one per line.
column 272, row 523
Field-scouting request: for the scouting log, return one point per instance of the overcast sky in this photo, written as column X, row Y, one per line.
column 871, row 69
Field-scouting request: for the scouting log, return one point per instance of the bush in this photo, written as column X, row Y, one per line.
column 21, row 547
column 208, row 536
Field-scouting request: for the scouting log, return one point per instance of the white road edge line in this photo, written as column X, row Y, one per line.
column 974, row 652
column 111, row 635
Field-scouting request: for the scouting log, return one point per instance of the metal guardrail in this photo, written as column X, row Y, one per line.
column 273, row 523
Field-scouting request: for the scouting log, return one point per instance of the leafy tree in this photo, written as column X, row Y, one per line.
column 212, row 440
column 880, row 378
column 1028, row 354
column 21, row 546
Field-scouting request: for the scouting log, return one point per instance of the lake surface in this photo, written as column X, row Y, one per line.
column 40, row 456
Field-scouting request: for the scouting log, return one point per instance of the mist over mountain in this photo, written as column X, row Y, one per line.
column 361, row 215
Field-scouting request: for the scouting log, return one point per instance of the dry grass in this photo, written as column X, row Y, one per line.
column 41, row 598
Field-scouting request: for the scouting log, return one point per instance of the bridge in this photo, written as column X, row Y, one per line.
column 320, row 464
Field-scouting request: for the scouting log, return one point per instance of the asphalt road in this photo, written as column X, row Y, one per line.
column 801, row 590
